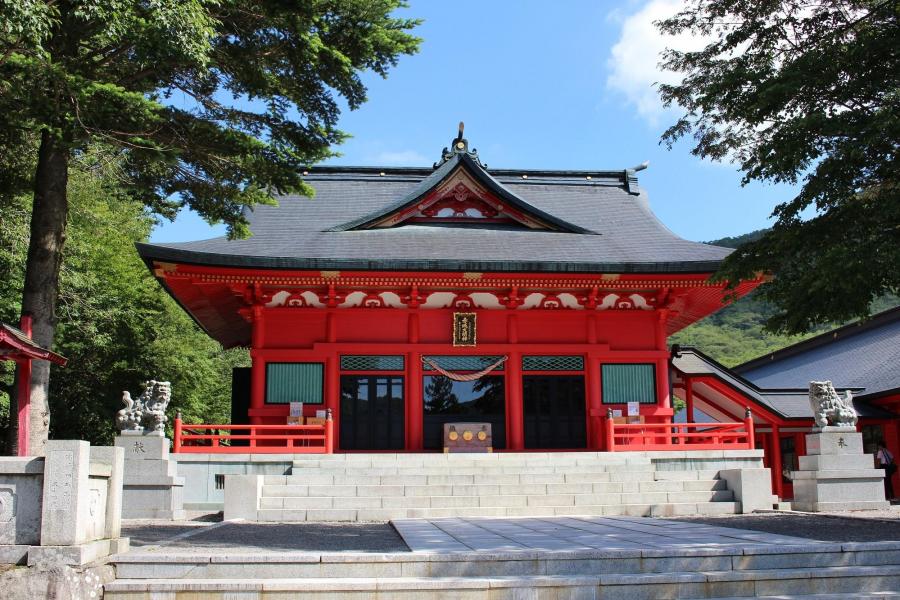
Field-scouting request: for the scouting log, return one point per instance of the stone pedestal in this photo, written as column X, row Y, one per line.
column 152, row 490
column 836, row 475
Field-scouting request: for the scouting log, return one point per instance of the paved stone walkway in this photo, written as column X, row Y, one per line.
column 575, row 533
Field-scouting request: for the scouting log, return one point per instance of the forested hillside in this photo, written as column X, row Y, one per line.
column 737, row 333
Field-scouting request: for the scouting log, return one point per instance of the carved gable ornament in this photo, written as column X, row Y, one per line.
column 461, row 198
column 460, row 191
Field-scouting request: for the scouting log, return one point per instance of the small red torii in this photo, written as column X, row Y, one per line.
column 16, row 345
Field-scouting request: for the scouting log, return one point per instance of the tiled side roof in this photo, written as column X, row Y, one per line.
column 855, row 356
column 626, row 236
column 783, row 400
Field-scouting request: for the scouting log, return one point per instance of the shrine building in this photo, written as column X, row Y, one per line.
column 401, row 299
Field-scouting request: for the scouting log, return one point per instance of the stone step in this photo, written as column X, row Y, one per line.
column 644, row 492
column 491, row 500
column 485, row 470
column 386, row 513
column 682, row 584
column 262, row 565
column 419, row 459
column 502, row 479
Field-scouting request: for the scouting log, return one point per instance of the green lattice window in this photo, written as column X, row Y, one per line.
column 629, row 383
column 552, row 363
column 360, row 362
column 463, row 363
column 294, row 382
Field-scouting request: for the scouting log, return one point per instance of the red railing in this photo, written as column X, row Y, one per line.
column 625, row 437
column 254, row 439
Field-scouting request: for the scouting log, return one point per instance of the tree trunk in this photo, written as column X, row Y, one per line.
column 48, row 235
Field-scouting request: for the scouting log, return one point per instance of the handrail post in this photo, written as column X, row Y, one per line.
column 329, row 433
column 748, row 423
column 176, row 443
column 610, row 431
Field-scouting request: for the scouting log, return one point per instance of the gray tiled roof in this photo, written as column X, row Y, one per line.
column 616, row 230
column 857, row 356
column 791, row 402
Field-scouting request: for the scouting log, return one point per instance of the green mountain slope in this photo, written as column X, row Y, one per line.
column 736, row 333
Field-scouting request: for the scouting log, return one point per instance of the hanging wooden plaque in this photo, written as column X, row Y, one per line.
column 464, row 329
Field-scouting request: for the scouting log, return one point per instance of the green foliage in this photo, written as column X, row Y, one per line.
column 117, row 325
column 802, row 92
column 738, row 332
column 214, row 104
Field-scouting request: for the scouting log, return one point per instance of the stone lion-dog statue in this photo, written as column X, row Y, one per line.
column 829, row 409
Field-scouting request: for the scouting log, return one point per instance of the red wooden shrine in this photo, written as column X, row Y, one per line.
column 567, row 273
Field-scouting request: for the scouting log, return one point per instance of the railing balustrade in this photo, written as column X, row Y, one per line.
column 629, row 437
column 254, row 439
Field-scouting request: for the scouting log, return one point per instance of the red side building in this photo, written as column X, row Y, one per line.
column 862, row 358
column 556, row 290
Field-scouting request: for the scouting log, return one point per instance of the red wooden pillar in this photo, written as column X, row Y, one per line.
column 414, row 402
column 689, row 399
column 257, row 383
column 23, row 385
column 592, row 384
column 332, row 393
column 592, row 329
column 258, row 364
column 662, row 364
column 776, row 461
column 515, row 432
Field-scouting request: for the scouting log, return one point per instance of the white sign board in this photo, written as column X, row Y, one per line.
column 634, row 409
column 617, row 412
column 320, row 414
column 296, row 409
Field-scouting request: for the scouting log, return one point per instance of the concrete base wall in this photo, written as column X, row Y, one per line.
column 203, row 490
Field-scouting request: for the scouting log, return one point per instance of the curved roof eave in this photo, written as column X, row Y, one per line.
column 150, row 252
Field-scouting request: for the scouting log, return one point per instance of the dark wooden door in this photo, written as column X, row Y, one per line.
column 554, row 411
column 372, row 413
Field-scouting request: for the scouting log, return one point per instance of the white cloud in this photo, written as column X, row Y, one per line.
column 402, row 158
column 634, row 58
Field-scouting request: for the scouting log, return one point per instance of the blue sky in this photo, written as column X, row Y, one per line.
column 551, row 85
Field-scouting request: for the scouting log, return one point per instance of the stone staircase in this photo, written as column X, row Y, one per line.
column 810, row 571
column 382, row 487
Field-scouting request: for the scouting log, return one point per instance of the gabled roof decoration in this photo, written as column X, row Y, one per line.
column 459, row 145
column 460, row 190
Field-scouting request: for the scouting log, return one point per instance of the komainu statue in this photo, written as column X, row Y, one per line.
column 158, row 394
column 829, row 408
column 148, row 411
